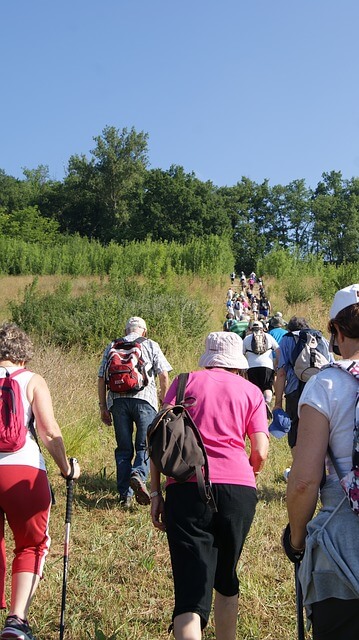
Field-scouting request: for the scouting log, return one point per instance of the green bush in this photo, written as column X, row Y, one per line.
column 93, row 318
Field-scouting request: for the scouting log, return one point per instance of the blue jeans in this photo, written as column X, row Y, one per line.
column 126, row 412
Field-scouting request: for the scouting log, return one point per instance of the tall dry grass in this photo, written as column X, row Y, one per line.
column 119, row 582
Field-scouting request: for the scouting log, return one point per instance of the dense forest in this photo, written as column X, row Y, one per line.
column 114, row 196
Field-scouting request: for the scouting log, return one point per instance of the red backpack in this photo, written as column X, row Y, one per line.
column 125, row 369
column 13, row 429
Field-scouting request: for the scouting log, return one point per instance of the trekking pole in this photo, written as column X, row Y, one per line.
column 69, row 497
column 299, row 603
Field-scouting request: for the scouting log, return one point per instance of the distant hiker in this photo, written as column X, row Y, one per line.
column 25, row 497
column 232, row 276
column 251, row 283
column 258, row 347
column 286, row 380
column 238, row 309
column 273, row 321
column 254, row 307
column 205, row 545
column 243, row 281
column 230, row 306
column 276, row 328
column 230, row 293
column 264, row 306
column 229, row 321
column 124, row 409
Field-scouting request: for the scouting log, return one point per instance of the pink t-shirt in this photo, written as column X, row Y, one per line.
column 227, row 409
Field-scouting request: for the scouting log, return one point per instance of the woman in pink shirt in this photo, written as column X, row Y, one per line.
column 205, row 546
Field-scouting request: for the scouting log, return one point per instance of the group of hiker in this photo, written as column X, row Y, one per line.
column 229, row 399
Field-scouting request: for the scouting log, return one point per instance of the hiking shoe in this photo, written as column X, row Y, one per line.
column 16, row 628
column 140, row 490
column 125, row 503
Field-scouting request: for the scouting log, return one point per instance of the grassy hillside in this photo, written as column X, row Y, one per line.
column 119, row 583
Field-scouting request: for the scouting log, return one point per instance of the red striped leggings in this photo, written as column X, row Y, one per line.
column 25, row 500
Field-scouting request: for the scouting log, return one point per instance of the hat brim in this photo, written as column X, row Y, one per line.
column 220, row 360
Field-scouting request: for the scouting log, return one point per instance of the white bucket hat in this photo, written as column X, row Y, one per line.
column 224, row 349
column 344, row 298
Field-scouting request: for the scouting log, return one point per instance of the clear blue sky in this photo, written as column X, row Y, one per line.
column 225, row 88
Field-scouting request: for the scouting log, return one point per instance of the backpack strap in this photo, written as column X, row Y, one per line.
column 203, row 481
column 181, row 388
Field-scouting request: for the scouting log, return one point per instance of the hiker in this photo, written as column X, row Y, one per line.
column 254, row 307
column 25, row 496
column 286, row 381
column 258, row 347
column 264, row 306
column 274, row 319
column 251, row 283
column 229, row 321
column 139, row 408
column 230, row 293
column 276, row 328
column 205, row 546
column 232, row 276
column 238, row 308
column 329, row 570
column 243, row 281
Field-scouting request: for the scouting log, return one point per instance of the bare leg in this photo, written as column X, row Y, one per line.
column 187, row 626
column 225, row 616
column 23, row 587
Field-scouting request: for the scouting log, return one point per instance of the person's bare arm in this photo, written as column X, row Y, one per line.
column 279, row 385
column 164, row 384
column 306, row 472
column 47, row 426
column 105, row 413
column 259, row 450
column 157, row 502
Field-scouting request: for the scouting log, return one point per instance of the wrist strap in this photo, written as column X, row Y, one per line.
column 72, row 466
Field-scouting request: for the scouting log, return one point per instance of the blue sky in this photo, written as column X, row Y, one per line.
column 225, row 88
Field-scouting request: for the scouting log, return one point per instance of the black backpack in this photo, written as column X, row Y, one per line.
column 175, row 445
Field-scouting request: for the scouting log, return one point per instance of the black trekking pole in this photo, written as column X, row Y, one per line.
column 69, row 497
column 299, row 603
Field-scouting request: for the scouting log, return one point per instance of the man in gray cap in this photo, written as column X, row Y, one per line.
column 139, row 407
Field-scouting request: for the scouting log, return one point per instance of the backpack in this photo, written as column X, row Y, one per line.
column 309, row 354
column 13, row 429
column 175, row 445
column 259, row 342
column 350, row 482
column 125, row 368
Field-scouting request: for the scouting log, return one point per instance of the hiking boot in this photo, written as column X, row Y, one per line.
column 16, row 628
column 140, row 490
column 125, row 503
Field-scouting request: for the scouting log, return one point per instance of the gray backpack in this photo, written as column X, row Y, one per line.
column 175, row 445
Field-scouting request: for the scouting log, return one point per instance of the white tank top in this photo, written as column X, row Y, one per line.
column 29, row 455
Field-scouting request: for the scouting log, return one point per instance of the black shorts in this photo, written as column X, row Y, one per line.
column 205, row 546
column 335, row 619
column 262, row 377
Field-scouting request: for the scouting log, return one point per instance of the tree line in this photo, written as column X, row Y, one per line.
column 113, row 195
